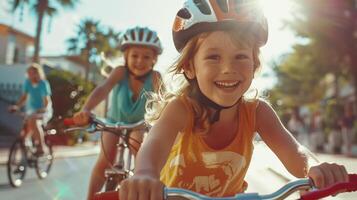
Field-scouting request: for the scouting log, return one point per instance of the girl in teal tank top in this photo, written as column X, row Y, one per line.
column 128, row 85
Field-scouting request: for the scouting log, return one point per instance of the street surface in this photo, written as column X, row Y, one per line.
column 68, row 179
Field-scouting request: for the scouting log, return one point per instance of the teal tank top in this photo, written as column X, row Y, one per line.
column 122, row 108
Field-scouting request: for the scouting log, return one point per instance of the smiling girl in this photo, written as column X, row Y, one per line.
column 202, row 139
column 129, row 84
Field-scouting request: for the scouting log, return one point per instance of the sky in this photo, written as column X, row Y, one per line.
column 155, row 14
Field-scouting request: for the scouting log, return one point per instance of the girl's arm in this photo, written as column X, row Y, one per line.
column 102, row 91
column 294, row 157
column 22, row 100
column 155, row 150
column 280, row 141
column 18, row 104
column 153, row 154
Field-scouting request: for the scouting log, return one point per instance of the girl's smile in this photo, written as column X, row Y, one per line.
column 141, row 59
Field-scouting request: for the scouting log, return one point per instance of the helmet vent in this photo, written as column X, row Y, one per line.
column 223, row 5
column 203, row 6
column 148, row 38
column 184, row 13
column 132, row 34
column 141, row 34
column 157, row 39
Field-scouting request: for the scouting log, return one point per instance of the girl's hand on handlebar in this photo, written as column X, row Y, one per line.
column 81, row 118
column 142, row 187
column 327, row 174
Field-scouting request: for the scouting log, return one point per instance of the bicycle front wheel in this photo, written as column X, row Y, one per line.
column 44, row 163
column 17, row 163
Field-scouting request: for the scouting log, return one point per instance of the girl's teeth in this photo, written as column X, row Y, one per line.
column 225, row 84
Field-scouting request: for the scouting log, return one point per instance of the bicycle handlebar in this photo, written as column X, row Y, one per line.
column 101, row 124
column 285, row 191
column 350, row 186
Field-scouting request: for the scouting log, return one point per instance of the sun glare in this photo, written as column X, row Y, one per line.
column 279, row 41
column 277, row 9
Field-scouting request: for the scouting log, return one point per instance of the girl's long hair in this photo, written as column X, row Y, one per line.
column 156, row 103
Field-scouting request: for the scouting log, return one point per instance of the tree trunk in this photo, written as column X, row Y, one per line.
column 354, row 71
column 87, row 68
column 43, row 4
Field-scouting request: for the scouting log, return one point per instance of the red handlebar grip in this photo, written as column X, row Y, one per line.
column 68, row 122
column 112, row 195
column 349, row 186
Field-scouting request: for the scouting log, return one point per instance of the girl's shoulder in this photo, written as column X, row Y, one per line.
column 264, row 112
column 117, row 74
column 263, row 105
column 178, row 112
column 180, row 104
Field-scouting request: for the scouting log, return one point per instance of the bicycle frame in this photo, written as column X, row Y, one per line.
column 282, row 193
column 122, row 168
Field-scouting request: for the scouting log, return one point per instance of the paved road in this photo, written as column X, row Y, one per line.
column 69, row 177
column 68, row 180
column 265, row 163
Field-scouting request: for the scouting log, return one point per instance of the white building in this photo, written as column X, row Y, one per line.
column 14, row 45
column 73, row 64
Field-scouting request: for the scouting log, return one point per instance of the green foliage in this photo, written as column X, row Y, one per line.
column 68, row 92
column 91, row 41
column 300, row 78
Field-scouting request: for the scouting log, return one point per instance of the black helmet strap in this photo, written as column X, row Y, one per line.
column 198, row 95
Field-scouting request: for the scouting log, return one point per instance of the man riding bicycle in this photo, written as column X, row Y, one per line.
column 38, row 105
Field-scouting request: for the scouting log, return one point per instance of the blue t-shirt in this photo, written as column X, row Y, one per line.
column 35, row 94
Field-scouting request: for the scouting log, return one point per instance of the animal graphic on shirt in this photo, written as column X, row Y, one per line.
column 211, row 173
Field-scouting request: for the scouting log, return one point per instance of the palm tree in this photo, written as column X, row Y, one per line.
column 91, row 41
column 41, row 8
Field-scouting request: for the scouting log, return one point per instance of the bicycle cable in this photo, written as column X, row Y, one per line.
column 120, row 136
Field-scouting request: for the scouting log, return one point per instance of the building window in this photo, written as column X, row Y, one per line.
column 16, row 55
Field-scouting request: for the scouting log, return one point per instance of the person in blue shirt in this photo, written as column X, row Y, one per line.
column 36, row 98
column 128, row 85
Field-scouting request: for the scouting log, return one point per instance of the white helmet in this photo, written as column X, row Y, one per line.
column 141, row 36
column 199, row 16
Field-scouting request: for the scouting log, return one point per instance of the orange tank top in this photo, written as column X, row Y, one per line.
column 193, row 165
